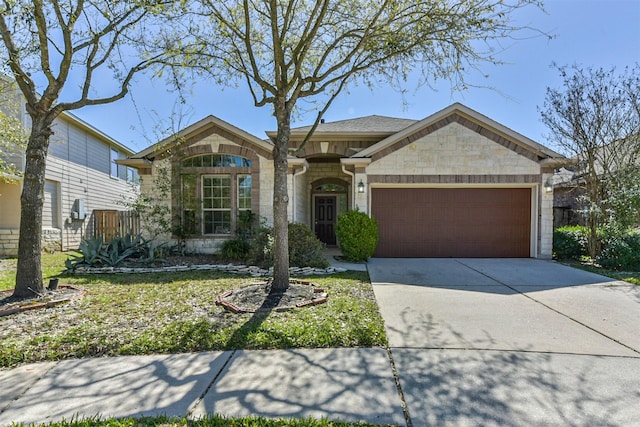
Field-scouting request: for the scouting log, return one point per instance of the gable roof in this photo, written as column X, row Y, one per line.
column 375, row 124
column 469, row 118
column 370, row 126
column 201, row 129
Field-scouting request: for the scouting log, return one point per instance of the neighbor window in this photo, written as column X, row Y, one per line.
column 114, row 165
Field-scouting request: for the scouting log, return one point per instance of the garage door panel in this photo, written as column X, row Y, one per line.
column 453, row 222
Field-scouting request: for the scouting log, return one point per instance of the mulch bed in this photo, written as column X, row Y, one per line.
column 50, row 298
column 260, row 297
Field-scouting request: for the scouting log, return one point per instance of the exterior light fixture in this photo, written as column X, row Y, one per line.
column 360, row 187
column 548, row 185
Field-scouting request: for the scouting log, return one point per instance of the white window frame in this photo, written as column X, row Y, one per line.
column 213, row 209
column 113, row 156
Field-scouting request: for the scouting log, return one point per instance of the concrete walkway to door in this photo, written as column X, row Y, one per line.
column 510, row 341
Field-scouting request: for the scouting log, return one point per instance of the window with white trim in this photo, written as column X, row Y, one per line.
column 216, row 204
column 215, row 189
column 244, row 192
column 114, row 166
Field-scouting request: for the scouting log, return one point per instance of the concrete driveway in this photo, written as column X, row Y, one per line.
column 511, row 341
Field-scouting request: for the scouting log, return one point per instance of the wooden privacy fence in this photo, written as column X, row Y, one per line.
column 112, row 223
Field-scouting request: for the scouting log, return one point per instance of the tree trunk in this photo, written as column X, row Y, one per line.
column 281, row 201
column 29, row 269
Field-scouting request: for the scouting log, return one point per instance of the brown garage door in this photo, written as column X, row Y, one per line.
column 452, row 222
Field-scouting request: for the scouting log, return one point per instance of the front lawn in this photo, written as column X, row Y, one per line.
column 175, row 312
column 210, row 421
column 627, row 276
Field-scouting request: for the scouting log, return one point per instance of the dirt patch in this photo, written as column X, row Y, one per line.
column 260, row 297
column 50, row 298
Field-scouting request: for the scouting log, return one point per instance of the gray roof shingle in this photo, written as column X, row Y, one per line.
column 373, row 124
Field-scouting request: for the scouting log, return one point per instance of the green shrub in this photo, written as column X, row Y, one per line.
column 235, row 249
column 261, row 248
column 569, row 242
column 621, row 252
column 357, row 235
column 96, row 253
column 305, row 250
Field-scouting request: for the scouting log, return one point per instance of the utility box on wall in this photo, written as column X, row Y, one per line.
column 79, row 211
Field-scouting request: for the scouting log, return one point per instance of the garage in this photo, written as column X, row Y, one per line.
column 452, row 222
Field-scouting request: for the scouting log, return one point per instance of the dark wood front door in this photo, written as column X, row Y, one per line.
column 325, row 218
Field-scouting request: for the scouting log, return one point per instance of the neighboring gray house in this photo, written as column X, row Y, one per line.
column 82, row 189
column 455, row 184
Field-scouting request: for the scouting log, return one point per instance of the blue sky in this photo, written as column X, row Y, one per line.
column 598, row 33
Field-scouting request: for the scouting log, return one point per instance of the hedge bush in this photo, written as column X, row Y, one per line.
column 235, row 249
column 569, row 242
column 357, row 235
column 621, row 252
column 305, row 250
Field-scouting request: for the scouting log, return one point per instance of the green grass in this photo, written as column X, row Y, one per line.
column 52, row 266
column 209, row 421
column 134, row 314
column 627, row 276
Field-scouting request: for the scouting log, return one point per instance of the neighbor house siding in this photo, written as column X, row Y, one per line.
column 10, row 204
column 51, row 208
column 78, row 165
column 9, row 218
column 96, row 189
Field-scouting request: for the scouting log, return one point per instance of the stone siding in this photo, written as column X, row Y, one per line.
column 453, row 150
column 51, row 241
column 9, row 242
column 545, row 247
column 266, row 190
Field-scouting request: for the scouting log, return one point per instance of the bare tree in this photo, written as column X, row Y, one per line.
column 595, row 119
column 287, row 51
column 77, row 50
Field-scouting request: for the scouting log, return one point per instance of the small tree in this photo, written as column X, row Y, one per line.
column 287, row 51
column 595, row 118
column 13, row 138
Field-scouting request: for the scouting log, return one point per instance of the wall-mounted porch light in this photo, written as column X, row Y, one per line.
column 360, row 187
column 548, row 185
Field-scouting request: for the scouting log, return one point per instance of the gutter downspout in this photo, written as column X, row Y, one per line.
column 305, row 166
column 353, row 185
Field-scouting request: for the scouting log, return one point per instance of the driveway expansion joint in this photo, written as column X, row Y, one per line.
column 396, row 378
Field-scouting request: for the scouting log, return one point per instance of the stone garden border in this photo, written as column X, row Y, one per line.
column 320, row 299
column 229, row 268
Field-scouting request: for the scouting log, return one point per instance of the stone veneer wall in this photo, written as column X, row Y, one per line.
column 51, row 241
column 9, row 242
column 453, row 150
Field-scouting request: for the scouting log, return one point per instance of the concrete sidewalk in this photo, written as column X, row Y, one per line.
column 351, row 384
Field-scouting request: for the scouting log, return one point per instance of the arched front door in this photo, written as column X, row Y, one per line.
column 328, row 196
